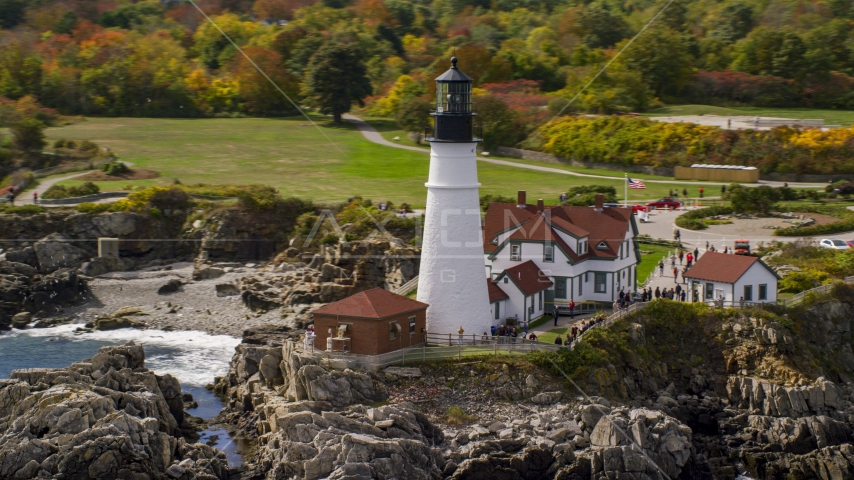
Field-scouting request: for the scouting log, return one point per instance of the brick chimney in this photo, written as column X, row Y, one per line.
column 521, row 198
column 600, row 202
column 540, row 205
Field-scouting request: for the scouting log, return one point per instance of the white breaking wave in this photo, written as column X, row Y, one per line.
column 193, row 357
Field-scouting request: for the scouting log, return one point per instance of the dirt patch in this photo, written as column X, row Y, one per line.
column 133, row 174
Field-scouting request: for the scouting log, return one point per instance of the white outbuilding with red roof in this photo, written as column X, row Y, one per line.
column 733, row 278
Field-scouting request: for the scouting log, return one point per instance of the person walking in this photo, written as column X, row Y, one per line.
column 689, row 258
column 673, row 261
column 556, row 314
column 661, row 268
column 682, row 297
column 657, row 293
column 697, row 252
column 678, row 291
column 572, row 309
column 681, row 256
column 701, row 192
column 622, row 299
column 676, row 274
column 628, row 298
column 493, row 330
column 574, row 332
column 525, row 327
column 36, row 198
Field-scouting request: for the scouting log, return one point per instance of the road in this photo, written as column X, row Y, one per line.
column 371, row 134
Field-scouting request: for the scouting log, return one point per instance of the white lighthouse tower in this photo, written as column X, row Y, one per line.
column 452, row 278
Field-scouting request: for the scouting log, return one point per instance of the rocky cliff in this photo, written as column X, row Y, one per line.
column 106, row 417
column 24, row 290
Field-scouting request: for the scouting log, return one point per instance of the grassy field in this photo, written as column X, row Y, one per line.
column 650, row 260
column 295, row 157
column 830, row 117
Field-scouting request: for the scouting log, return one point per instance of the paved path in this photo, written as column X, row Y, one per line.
column 371, row 134
column 26, row 197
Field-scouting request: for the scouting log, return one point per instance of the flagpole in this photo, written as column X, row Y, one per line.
column 626, row 191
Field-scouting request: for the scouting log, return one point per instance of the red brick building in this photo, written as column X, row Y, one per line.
column 371, row 322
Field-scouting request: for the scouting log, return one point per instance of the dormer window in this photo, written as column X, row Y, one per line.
column 602, row 245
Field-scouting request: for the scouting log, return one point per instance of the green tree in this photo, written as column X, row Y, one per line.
column 28, row 135
column 336, row 78
column 12, row 12
column 498, row 122
column 600, row 28
column 414, row 115
column 771, row 52
column 752, row 199
column 662, row 57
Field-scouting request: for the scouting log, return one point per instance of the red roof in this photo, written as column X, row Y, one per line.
column 374, row 303
column 528, row 277
column 495, row 292
column 722, row 267
column 608, row 225
column 5, row 190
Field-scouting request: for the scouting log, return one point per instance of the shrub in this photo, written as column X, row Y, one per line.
column 61, row 191
column 89, row 147
column 485, row 200
column 115, row 168
column 796, row 282
column 693, row 220
column 845, row 223
column 55, row 192
column 59, row 143
column 22, row 210
column 457, row 416
column 93, row 208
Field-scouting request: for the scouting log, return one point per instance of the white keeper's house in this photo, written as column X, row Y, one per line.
column 539, row 256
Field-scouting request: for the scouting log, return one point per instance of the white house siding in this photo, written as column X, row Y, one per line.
column 620, row 273
column 755, row 276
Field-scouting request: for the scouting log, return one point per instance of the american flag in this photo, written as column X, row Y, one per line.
column 636, row 184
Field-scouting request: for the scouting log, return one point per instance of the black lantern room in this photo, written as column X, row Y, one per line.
column 453, row 119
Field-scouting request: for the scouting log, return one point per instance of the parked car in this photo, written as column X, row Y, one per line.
column 665, row 202
column 850, row 243
column 635, row 208
column 834, row 243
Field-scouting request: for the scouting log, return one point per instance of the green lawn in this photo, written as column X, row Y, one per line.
column 830, row 117
column 295, row 157
column 551, row 335
column 650, row 261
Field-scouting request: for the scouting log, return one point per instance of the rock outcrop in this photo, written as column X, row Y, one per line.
column 24, row 289
column 106, row 417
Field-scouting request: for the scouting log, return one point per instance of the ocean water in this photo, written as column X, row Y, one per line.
column 194, row 358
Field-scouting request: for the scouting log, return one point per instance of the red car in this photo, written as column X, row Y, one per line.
column 635, row 208
column 850, row 243
column 665, row 202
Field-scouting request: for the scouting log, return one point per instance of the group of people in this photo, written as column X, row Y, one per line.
column 509, row 334
column 624, row 299
column 578, row 330
column 677, row 293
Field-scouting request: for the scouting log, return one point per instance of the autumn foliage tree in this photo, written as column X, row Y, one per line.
column 259, row 95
